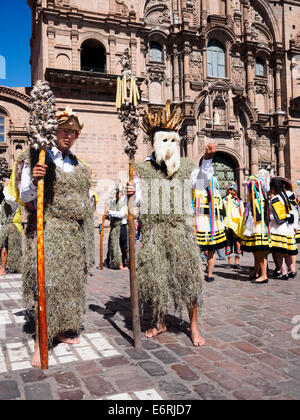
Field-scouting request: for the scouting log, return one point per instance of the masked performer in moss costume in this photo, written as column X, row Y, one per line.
column 169, row 269
column 68, row 231
column 116, row 211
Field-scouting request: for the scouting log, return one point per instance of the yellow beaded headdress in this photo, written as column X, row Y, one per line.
column 163, row 119
column 68, row 119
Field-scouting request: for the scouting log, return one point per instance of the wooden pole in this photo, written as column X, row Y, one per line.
column 136, row 324
column 101, row 241
column 43, row 335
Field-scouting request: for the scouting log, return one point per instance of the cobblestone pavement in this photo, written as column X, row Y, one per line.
column 252, row 349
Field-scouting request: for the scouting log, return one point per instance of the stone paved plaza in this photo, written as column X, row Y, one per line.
column 252, row 349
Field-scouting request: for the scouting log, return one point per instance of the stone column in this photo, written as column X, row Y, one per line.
column 228, row 8
column 112, row 53
column 241, row 177
column 176, row 81
column 190, row 138
column 281, row 160
column 75, row 49
column 204, row 12
column 250, row 77
column 254, row 156
column 51, row 43
column 169, row 75
column 247, row 30
column 133, row 49
column 278, row 101
column 186, row 66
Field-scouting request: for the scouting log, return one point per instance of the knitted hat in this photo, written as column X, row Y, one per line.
column 232, row 186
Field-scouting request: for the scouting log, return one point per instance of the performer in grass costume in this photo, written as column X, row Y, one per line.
column 169, row 269
column 68, row 232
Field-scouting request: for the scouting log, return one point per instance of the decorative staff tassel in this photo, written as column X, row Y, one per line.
column 43, row 127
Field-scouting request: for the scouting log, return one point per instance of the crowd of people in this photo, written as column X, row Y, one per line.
column 268, row 223
column 169, row 266
column 229, row 227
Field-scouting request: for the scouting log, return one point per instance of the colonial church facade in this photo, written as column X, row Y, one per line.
column 234, row 65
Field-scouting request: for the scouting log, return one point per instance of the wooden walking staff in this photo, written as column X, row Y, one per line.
column 127, row 105
column 43, row 127
column 101, row 241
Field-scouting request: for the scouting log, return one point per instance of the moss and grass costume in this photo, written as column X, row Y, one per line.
column 169, row 268
column 69, row 245
column 15, row 254
column 114, row 253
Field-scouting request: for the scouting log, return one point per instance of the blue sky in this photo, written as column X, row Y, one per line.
column 15, row 34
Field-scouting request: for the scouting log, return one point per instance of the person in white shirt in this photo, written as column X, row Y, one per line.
column 117, row 254
column 68, row 232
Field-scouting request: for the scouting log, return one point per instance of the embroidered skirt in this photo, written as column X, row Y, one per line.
column 205, row 239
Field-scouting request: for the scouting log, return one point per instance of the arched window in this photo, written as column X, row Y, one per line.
column 260, row 67
column 2, row 128
column 156, row 52
column 93, row 57
column 216, row 61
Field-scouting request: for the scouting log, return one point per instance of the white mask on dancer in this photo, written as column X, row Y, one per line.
column 167, row 150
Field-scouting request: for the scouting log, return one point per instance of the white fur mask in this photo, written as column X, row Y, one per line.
column 166, row 148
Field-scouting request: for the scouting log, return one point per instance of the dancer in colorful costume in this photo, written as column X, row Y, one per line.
column 169, row 268
column 11, row 227
column 210, row 213
column 234, row 213
column 283, row 225
column 254, row 229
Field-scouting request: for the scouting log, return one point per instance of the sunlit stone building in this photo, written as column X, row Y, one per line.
column 233, row 65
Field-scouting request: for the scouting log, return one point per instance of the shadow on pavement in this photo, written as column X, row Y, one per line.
column 122, row 307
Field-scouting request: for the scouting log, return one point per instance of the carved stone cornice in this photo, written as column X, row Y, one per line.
column 189, row 139
column 281, row 142
column 156, row 73
column 15, row 95
column 295, row 43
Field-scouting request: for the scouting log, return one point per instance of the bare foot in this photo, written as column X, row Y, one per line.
column 196, row 337
column 123, row 268
column 154, row 331
column 2, row 272
column 67, row 340
column 36, row 359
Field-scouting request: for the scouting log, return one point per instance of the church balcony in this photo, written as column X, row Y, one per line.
column 91, row 79
column 104, row 82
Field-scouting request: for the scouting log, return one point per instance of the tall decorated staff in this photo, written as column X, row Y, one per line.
column 127, row 106
column 3, row 170
column 43, row 127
